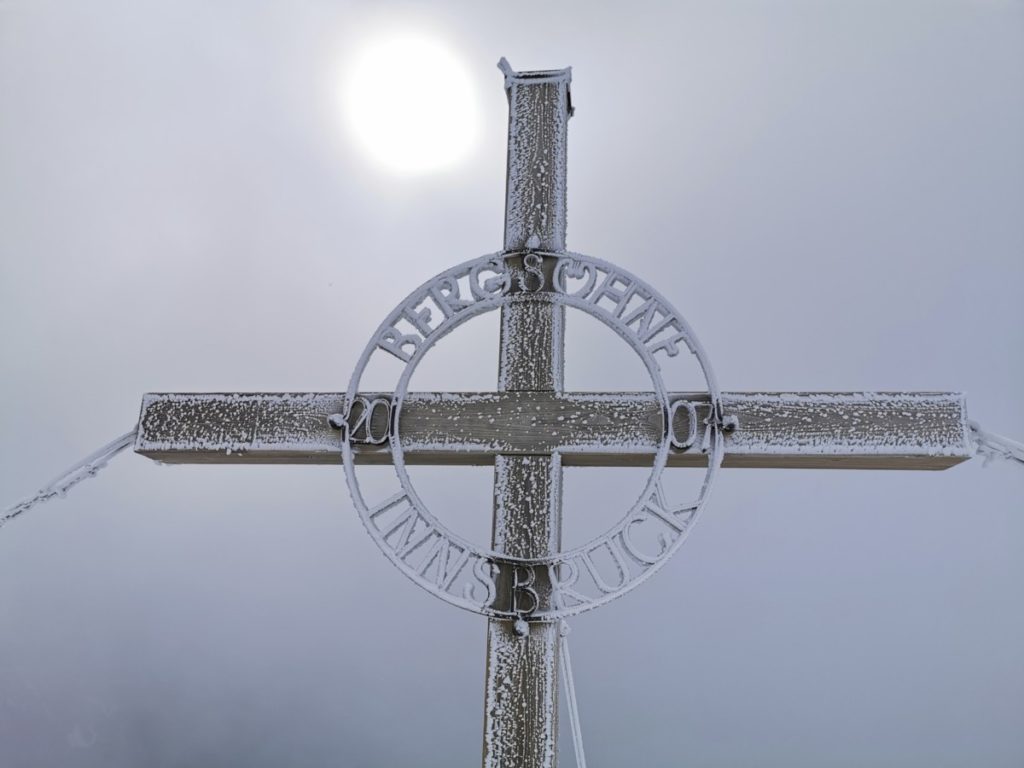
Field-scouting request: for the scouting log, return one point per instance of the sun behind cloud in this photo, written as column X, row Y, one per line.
column 409, row 103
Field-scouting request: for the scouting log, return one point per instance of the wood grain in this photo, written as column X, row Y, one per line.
column 852, row 430
column 521, row 681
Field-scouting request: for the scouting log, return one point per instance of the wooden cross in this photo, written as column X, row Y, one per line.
column 528, row 446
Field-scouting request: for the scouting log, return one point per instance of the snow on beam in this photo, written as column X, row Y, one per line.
column 868, row 430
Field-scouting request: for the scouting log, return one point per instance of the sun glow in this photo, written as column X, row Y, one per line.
column 410, row 103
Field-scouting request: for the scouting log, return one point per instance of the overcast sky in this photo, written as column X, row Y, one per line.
column 830, row 192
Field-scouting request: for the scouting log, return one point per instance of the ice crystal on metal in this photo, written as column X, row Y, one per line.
column 468, row 575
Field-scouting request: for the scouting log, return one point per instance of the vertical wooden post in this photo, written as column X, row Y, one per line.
column 521, row 693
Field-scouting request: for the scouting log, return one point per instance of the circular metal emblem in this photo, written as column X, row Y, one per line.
column 477, row 578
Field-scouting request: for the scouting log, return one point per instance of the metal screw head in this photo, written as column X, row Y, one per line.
column 730, row 423
column 337, row 420
column 521, row 627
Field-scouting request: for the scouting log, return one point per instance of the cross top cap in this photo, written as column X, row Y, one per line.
column 535, row 77
column 552, row 75
column 562, row 584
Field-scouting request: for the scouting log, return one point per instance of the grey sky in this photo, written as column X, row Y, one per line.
column 830, row 192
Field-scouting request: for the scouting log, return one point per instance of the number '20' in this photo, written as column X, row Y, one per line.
column 370, row 420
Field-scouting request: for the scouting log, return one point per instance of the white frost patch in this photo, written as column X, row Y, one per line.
column 849, row 423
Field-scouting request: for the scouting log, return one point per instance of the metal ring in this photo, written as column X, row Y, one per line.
column 464, row 574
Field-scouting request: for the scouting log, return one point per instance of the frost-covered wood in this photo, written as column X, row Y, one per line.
column 539, row 107
column 529, row 429
column 521, row 681
column 863, row 430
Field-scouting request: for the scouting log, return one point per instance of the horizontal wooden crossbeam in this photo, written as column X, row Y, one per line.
column 846, row 430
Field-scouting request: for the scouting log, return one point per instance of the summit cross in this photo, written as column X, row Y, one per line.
column 529, row 428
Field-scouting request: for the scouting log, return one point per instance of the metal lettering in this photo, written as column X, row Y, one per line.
column 691, row 415
column 531, row 268
column 631, row 547
column 395, row 342
column 389, row 503
column 562, row 589
column 475, row 577
column 364, row 421
column 491, row 287
column 406, row 544
column 483, row 576
column 445, row 293
column 620, row 566
column 524, row 589
column 576, row 270
column 657, row 506
column 644, row 317
column 404, row 522
column 440, row 555
column 418, row 319
column 671, row 344
column 609, row 289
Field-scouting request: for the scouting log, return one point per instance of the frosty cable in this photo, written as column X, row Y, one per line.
column 87, row 467
column 570, row 696
column 993, row 446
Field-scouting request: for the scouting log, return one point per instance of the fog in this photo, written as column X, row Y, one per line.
column 830, row 192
